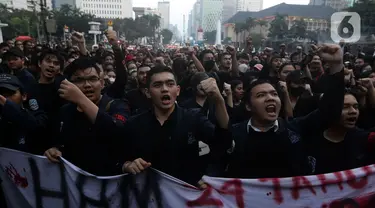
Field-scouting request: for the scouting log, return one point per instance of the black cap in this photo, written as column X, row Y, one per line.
column 296, row 76
column 10, row 82
column 15, row 51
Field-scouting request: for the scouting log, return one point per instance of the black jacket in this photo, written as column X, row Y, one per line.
column 91, row 146
column 173, row 147
column 18, row 126
column 282, row 153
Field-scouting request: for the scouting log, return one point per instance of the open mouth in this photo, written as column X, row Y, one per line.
column 271, row 110
column 351, row 120
column 89, row 93
column 166, row 100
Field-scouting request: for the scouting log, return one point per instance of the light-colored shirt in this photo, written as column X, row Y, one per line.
column 275, row 127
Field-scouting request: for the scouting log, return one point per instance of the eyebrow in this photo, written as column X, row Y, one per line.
column 271, row 91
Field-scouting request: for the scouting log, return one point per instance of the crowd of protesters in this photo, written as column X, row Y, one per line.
column 189, row 112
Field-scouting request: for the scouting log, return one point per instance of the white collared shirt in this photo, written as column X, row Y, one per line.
column 275, row 127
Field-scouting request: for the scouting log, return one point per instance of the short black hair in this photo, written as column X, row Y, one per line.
column 255, row 83
column 157, row 70
column 286, row 64
column 225, row 54
column 243, row 56
column 80, row 64
column 3, row 45
column 204, row 52
column 56, row 53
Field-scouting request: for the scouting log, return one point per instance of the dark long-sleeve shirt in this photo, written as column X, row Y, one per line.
column 281, row 153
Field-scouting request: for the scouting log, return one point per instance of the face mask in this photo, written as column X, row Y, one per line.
column 297, row 91
column 208, row 65
column 111, row 80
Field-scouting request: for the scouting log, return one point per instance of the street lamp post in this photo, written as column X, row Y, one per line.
column 95, row 30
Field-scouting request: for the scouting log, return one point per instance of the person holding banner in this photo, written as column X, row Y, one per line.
column 166, row 137
column 89, row 124
column 272, row 147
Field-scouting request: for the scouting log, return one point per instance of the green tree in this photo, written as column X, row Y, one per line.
column 298, row 30
column 74, row 18
column 278, row 27
column 167, row 36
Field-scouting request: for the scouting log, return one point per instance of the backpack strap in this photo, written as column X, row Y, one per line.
column 108, row 106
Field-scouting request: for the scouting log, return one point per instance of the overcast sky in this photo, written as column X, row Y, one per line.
column 181, row 7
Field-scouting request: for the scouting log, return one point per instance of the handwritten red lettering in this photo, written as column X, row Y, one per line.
column 237, row 191
column 339, row 179
column 205, row 200
column 16, row 177
column 277, row 194
column 352, row 180
column 297, row 186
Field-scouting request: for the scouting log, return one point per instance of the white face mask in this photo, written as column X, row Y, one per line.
column 111, row 80
column 243, row 68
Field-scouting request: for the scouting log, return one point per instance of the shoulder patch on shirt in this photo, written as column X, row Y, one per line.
column 120, row 117
column 33, row 104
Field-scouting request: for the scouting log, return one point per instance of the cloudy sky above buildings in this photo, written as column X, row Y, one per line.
column 181, row 7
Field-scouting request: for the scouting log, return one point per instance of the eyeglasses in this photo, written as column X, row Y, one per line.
column 82, row 80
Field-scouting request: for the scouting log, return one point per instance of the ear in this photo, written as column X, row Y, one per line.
column 102, row 83
column 248, row 108
column 39, row 63
column 24, row 97
column 147, row 92
column 178, row 90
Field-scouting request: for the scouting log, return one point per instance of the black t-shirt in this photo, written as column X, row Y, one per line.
column 352, row 152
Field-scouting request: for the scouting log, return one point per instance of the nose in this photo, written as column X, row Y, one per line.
column 164, row 88
column 352, row 110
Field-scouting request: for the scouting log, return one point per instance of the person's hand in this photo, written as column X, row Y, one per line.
column 53, row 154
column 366, row 82
column 3, row 100
column 231, row 50
column 78, row 37
column 70, row 91
column 112, row 36
column 227, row 89
column 137, row 166
column 202, row 185
column 283, row 86
column 331, row 54
column 210, row 88
column 191, row 51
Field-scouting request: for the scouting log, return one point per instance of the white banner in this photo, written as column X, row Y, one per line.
column 31, row 181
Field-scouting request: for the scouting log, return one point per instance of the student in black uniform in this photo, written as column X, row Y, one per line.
column 17, row 124
column 90, row 123
column 167, row 136
column 267, row 146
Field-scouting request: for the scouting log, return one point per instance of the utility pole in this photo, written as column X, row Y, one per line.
column 37, row 25
column 43, row 15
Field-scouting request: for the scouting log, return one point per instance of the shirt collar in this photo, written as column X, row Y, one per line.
column 275, row 127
